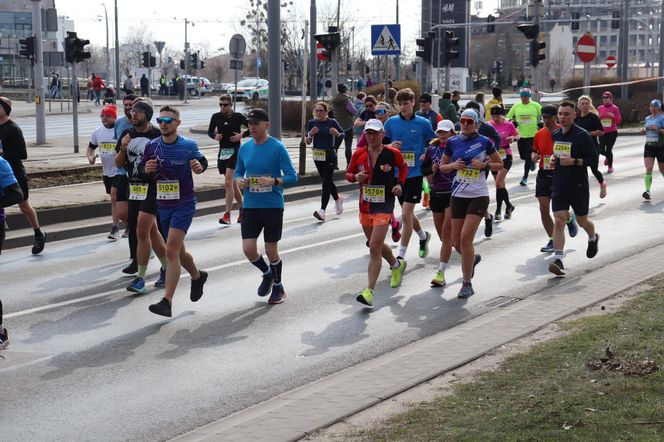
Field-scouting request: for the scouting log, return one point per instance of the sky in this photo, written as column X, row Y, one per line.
column 215, row 21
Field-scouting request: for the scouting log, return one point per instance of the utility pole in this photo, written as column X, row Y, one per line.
column 397, row 58
column 536, row 19
column 39, row 73
column 313, row 81
column 186, row 59
column 274, row 67
column 660, row 82
column 586, row 66
column 623, row 57
column 117, row 52
column 303, row 120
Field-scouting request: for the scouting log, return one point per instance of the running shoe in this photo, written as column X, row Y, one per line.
column 266, row 284
column 523, row 182
column 161, row 282
column 497, row 217
column 162, row 308
column 548, row 248
column 365, row 297
column 197, row 286
column 137, row 286
column 609, row 170
column 572, row 226
column 4, row 339
column 239, row 217
column 339, row 205
column 320, row 215
column 226, row 219
column 488, row 226
column 557, row 268
column 278, row 294
column 39, row 244
column 533, row 166
column 602, row 190
column 396, row 235
column 424, row 245
column 125, row 234
column 397, row 274
column 438, row 279
column 466, row 291
column 115, row 233
column 476, row 261
column 592, row 247
column 131, row 268
column 508, row 211
column 646, row 195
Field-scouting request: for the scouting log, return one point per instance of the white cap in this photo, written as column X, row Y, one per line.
column 373, row 124
column 445, row 126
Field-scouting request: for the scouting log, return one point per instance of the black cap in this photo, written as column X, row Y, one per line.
column 549, row 111
column 257, row 115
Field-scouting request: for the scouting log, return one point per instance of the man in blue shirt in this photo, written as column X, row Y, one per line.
column 258, row 173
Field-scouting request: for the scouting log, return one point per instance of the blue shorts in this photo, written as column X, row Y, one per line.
column 177, row 217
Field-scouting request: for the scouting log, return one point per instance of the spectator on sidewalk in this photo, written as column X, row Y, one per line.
column 145, row 86
column 90, row 88
column 128, row 86
column 447, row 109
column 98, row 84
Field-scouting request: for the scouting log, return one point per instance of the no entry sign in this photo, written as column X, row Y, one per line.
column 586, row 48
column 610, row 61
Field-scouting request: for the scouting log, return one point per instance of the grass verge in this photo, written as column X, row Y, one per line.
column 599, row 382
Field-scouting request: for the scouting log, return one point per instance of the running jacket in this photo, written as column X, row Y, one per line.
column 441, row 182
column 476, row 146
column 609, row 124
column 527, row 116
column 414, row 135
column 382, row 174
column 227, row 125
column 12, row 146
column 582, row 147
column 653, row 136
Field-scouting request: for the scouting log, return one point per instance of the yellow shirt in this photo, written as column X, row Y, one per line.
column 489, row 105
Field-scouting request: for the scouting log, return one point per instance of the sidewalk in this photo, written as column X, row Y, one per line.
column 300, row 412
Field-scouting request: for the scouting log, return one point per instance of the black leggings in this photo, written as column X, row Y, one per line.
column 326, row 172
column 2, row 231
column 606, row 143
column 348, row 140
column 525, row 146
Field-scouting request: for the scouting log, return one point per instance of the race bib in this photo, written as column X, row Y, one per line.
column 138, row 191
column 562, row 149
column 226, row 152
column 318, row 154
column 255, row 187
column 652, row 137
column 607, row 122
column 468, row 176
column 548, row 162
column 409, row 158
column 525, row 119
column 373, row 194
column 107, row 148
column 502, row 153
column 168, row 190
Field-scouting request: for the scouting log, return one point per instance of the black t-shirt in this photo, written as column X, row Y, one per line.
column 227, row 126
column 581, row 146
column 136, row 149
column 12, row 145
column 367, row 115
column 591, row 123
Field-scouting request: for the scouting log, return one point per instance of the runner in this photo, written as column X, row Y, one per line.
column 373, row 167
column 260, row 165
column 508, row 134
column 468, row 154
column 104, row 136
column 428, row 113
column 588, row 119
column 573, row 150
column 323, row 131
column 141, row 217
column 226, row 128
column 609, row 115
column 171, row 158
column 410, row 134
column 367, row 113
column 527, row 114
column 441, row 192
column 653, row 148
column 121, row 183
column 496, row 100
column 12, row 149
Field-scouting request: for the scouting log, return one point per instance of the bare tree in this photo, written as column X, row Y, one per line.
column 561, row 63
column 137, row 40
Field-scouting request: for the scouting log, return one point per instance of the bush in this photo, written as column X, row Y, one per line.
column 378, row 90
column 291, row 114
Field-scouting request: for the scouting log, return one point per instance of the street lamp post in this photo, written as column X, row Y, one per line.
column 108, row 53
column 117, row 50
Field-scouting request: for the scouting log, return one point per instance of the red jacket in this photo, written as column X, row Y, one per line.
column 98, row 84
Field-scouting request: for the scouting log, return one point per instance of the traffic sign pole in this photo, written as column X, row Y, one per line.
column 586, row 49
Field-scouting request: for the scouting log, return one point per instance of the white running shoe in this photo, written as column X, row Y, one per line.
column 339, row 205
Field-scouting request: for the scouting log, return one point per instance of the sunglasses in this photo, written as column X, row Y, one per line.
column 605, row 97
column 381, row 111
column 224, row 104
column 165, row 120
column 466, row 121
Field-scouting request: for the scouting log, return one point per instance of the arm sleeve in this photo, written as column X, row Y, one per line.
column 11, row 195
column 510, row 114
column 495, row 136
column 16, row 144
column 286, row 166
column 590, row 154
column 352, row 167
column 245, row 123
column 425, row 167
column 338, row 127
column 616, row 115
column 403, row 167
column 239, row 166
column 536, row 147
column 211, row 127
column 350, row 108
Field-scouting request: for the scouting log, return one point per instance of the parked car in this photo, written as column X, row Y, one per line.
column 206, row 86
column 225, row 88
column 193, row 86
column 250, row 89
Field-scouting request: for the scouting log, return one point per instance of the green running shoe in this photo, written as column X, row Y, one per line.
column 424, row 245
column 397, row 274
column 438, row 280
column 365, row 297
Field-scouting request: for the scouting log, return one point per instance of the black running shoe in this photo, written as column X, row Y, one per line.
column 266, row 284
column 508, row 211
column 646, row 195
column 488, row 226
column 476, row 261
column 162, row 308
column 39, row 244
column 557, row 268
column 197, row 286
column 131, row 268
column 592, row 247
column 4, row 339
column 278, row 294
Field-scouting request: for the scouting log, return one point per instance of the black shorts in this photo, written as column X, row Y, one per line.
column 525, row 146
column 412, row 191
column 439, row 200
column 507, row 165
column 576, row 198
column 22, row 179
column 654, row 150
column 148, row 205
column 256, row 220
column 469, row 206
column 228, row 163
column 544, row 183
column 108, row 183
column 121, row 183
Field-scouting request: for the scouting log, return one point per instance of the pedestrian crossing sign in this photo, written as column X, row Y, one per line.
column 385, row 39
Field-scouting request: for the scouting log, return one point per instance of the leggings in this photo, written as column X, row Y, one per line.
column 326, row 171
column 525, row 146
column 606, row 143
column 2, row 240
column 348, row 140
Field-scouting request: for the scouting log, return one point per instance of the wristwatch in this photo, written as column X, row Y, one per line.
column 276, row 181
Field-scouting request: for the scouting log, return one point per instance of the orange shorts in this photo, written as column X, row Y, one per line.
column 375, row 219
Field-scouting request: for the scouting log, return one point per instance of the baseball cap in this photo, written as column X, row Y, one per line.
column 525, row 93
column 549, row 111
column 607, row 94
column 257, row 115
column 110, row 111
column 445, row 126
column 373, row 124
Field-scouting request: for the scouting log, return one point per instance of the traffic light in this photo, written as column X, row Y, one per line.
column 202, row 64
column 499, row 67
column 615, row 22
column 285, row 66
column 427, row 45
column 146, row 59
column 27, row 47
column 450, row 42
column 349, row 67
column 536, row 52
column 366, row 70
column 490, row 28
column 530, row 31
column 75, row 48
column 329, row 41
column 69, row 47
column 194, row 60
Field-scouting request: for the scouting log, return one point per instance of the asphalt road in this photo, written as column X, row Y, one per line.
column 99, row 366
